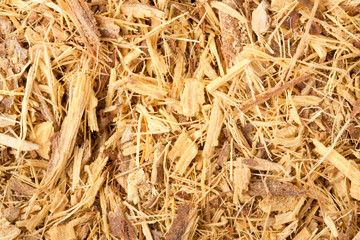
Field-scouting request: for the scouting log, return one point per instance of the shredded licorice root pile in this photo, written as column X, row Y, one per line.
column 192, row 119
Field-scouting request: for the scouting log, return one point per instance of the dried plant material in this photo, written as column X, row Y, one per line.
column 7, row 230
column 91, row 111
column 64, row 141
column 278, row 5
column 85, row 23
column 259, row 164
column 183, row 152
column 11, row 214
column 355, row 191
column 304, row 234
column 331, row 225
column 231, row 74
column 233, row 35
column 178, row 112
column 273, row 188
column 16, row 143
column 137, row 186
column 260, row 21
column 263, row 97
column 61, row 232
column 279, row 204
column 157, row 173
column 184, row 222
column 192, row 97
column 242, row 175
column 20, row 188
column 348, row 168
column 145, row 88
column 224, row 154
column 213, row 130
column 288, row 230
column 141, row 10
column 120, row 226
column 155, row 125
column 35, row 219
column 356, row 108
column 41, row 136
column 292, row 20
column 108, row 28
column 7, row 120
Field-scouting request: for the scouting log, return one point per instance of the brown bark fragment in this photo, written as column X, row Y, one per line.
column 354, row 132
column 233, row 36
column 224, row 154
column 120, row 226
column 11, row 214
column 292, row 20
column 356, row 108
column 20, row 187
column 273, row 188
column 181, row 227
column 315, row 29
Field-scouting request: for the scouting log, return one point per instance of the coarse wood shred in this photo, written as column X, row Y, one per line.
column 184, row 222
column 182, row 153
column 63, row 143
column 221, row 119
column 213, row 130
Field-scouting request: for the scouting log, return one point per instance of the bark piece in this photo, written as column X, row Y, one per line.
column 233, row 35
column 108, row 28
column 11, row 214
column 259, row 164
column 120, row 226
column 157, row 173
column 274, row 188
column 184, row 223
column 21, row 188
column 292, row 20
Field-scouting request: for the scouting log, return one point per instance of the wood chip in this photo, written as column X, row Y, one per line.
column 141, row 10
column 213, row 131
column 183, row 152
column 192, row 97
